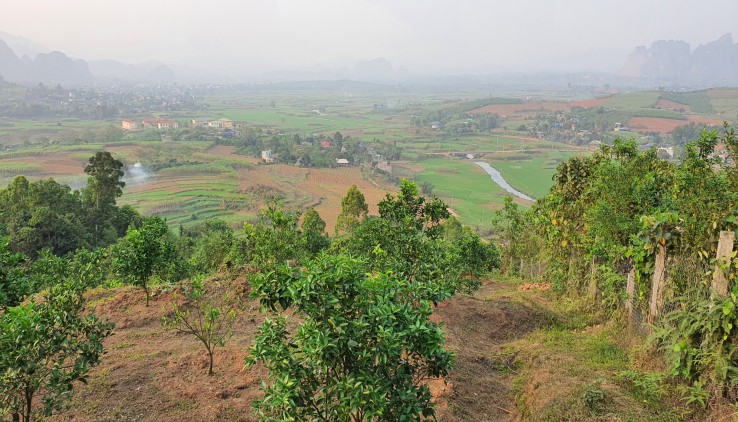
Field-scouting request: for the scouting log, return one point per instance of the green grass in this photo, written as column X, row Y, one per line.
column 532, row 177
column 465, row 187
column 304, row 119
column 698, row 101
column 12, row 169
column 575, row 366
column 659, row 114
column 633, row 100
column 727, row 106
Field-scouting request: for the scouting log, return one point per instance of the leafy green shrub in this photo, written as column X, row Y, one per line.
column 699, row 341
column 594, row 397
column 45, row 347
column 612, row 288
column 362, row 348
column 14, row 284
column 211, row 250
column 148, row 252
column 648, row 386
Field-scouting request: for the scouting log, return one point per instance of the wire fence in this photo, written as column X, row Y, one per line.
column 686, row 280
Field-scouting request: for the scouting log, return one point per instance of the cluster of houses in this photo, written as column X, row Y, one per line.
column 215, row 124
column 150, row 123
column 164, row 124
column 268, row 156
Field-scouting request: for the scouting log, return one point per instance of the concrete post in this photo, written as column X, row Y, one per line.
column 724, row 252
column 657, row 287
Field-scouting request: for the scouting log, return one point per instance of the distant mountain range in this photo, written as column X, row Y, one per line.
column 26, row 62
column 23, row 61
column 663, row 63
column 714, row 63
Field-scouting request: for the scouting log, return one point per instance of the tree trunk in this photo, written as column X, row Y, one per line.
column 657, row 286
column 210, row 355
column 29, row 404
column 724, row 250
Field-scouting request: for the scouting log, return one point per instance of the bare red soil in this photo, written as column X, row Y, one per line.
column 703, row 120
column 673, row 105
column 149, row 374
column 723, row 93
column 62, row 165
column 654, row 124
column 664, row 126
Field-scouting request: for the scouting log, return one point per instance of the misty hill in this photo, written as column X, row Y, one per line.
column 23, row 61
column 23, row 46
column 52, row 68
column 56, row 67
column 674, row 61
column 111, row 70
column 11, row 67
column 379, row 69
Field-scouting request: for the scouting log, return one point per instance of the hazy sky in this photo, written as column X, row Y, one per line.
column 425, row 36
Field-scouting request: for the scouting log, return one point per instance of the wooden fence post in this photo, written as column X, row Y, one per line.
column 657, row 287
column 724, row 250
column 540, row 271
column 630, row 295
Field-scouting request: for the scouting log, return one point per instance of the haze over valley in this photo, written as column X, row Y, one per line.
column 368, row 210
column 368, row 41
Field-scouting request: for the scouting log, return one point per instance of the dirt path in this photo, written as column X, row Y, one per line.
column 478, row 329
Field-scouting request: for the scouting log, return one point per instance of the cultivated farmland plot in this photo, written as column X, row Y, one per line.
column 192, row 180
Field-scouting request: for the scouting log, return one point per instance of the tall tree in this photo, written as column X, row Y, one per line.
column 104, row 184
column 353, row 209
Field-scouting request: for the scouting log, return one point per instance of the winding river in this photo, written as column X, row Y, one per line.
column 497, row 178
